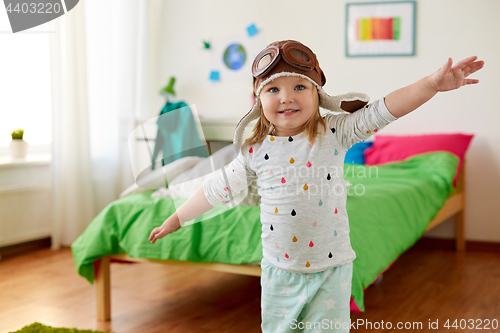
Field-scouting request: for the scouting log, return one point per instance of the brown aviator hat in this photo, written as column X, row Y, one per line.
column 292, row 58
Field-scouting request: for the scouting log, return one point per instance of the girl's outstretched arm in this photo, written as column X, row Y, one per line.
column 407, row 99
column 213, row 192
column 192, row 208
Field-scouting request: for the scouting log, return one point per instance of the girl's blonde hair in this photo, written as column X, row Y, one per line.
column 263, row 127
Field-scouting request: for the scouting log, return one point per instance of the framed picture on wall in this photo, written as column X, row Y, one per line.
column 380, row 29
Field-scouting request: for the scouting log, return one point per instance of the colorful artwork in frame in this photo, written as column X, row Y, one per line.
column 380, row 29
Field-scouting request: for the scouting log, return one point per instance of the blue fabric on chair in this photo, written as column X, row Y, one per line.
column 177, row 134
column 355, row 154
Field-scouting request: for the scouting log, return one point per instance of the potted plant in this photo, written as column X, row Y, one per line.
column 18, row 146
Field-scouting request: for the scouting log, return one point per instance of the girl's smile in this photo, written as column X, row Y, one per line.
column 288, row 112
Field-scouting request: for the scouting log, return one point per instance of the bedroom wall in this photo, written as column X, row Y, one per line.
column 445, row 28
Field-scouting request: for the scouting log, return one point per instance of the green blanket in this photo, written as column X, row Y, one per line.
column 389, row 208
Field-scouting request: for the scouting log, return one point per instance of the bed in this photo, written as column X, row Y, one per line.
column 418, row 192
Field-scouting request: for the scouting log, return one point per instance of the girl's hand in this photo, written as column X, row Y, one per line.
column 170, row 225
column 449, row 78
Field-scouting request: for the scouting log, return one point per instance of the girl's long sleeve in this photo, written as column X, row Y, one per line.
column 360, row 125
column 230, row 185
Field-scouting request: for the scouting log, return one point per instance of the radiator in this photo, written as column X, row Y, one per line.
column 25, row 204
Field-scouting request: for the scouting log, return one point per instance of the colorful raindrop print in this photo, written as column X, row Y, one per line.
column 272, row 138
column 250, row 150
column 286, row 256
column 266, row 157
column 333, row 130
column 290, row 139
column 336, row 152
column 294, row 239
column 293, row 212
column 272, row 228
column 308, row 264
column 330, row 255
column 276, row 210
column 311, row 244
column 306, row 187
column 292, row 160
column 283, row 181
column 308, row 164
column 320, row 202
column 315, row 224
column 328, row 177
column 335, row 232
column 336, row 210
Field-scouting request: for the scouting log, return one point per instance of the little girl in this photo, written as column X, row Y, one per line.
column 296, row 157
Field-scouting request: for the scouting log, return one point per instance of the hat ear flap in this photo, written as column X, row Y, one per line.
column 350, row 102
column 253, row 114
column 352, row 106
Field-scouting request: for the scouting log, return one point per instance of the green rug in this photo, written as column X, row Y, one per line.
column 39, row 328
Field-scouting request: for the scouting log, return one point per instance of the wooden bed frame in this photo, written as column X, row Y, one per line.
column 454, row 205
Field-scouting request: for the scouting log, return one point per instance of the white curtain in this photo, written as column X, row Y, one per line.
column 105, row 79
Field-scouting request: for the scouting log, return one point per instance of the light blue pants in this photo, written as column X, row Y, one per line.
column 300, row 302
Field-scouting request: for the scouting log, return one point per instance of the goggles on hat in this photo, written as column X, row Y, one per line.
column 295, row 54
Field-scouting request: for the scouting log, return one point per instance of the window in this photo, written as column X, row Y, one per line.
column 25, row 89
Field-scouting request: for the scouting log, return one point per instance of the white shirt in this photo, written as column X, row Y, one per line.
column 305, row 227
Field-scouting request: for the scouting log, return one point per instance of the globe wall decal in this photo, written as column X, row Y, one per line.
column 235, row 56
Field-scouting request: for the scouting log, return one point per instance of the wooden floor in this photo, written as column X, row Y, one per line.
column 423, row 284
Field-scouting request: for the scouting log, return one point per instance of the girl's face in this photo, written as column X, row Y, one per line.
column 288, row 93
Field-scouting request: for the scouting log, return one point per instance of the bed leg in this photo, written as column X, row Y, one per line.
column 460, row 218
column 460, row 232
column 103, row 291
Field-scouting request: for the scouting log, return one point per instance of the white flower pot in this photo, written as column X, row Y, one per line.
column 18, row 148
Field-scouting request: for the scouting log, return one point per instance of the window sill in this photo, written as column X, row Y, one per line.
column 7, row 162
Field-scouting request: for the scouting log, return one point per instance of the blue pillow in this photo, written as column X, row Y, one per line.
column 355, row 154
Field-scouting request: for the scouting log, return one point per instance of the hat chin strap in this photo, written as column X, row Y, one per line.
column 345, row 103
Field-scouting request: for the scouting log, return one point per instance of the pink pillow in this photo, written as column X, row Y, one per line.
column 388, row 148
